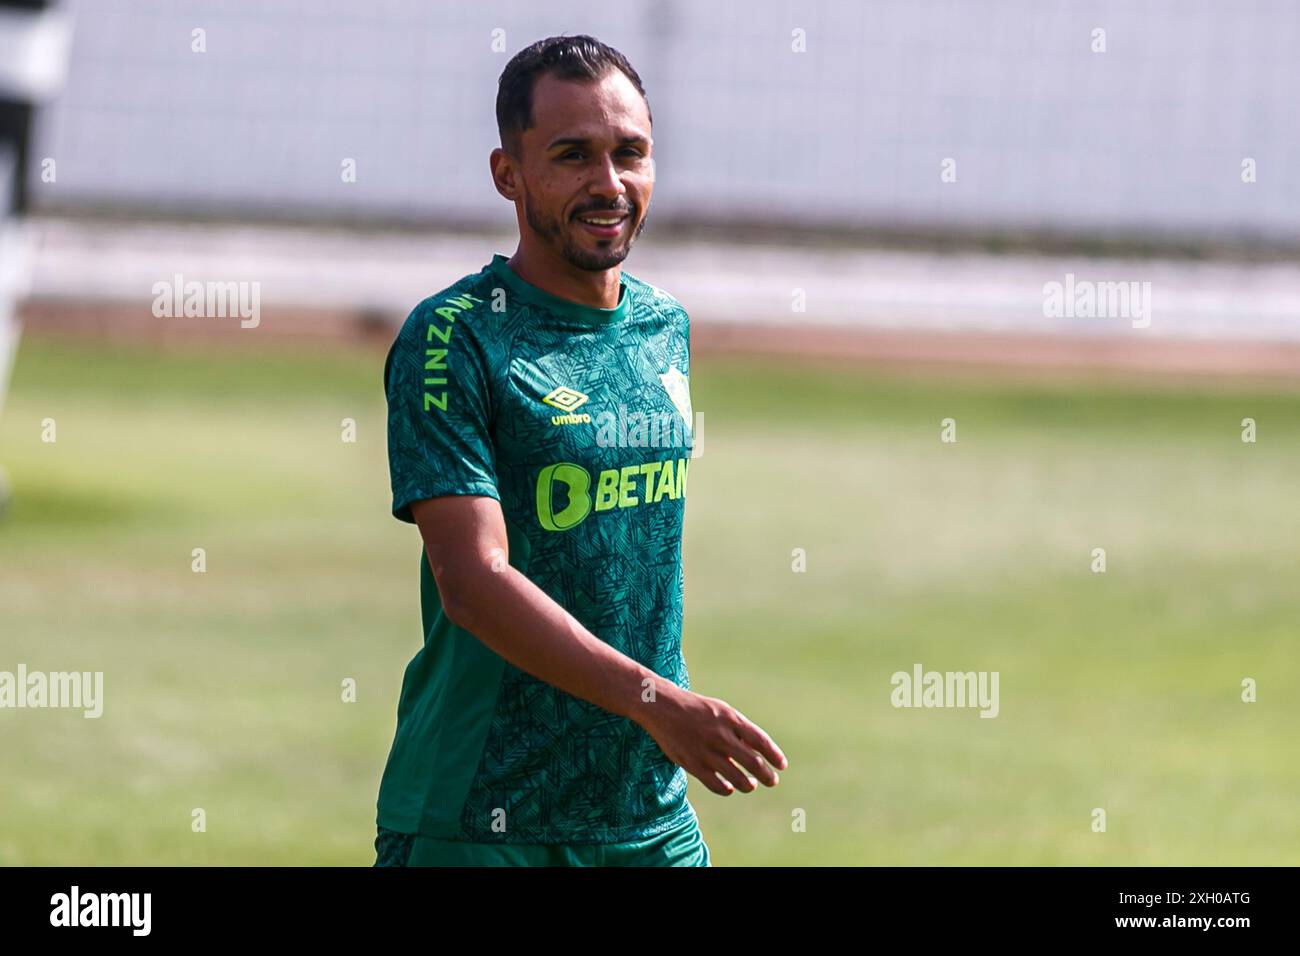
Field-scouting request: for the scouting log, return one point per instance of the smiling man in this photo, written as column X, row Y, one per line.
column 547, row 718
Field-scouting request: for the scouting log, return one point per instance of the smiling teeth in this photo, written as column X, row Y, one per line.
column 601, row 222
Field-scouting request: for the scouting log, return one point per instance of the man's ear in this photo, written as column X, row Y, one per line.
column 505, row 173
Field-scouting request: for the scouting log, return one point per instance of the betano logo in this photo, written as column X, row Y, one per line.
column 615, row 488
column 566, row 400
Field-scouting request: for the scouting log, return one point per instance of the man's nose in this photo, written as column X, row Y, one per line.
column 606, row 182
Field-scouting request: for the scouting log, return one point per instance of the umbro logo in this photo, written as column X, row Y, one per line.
column 566, row 400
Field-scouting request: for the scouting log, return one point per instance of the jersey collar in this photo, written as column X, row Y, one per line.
column 563, row 308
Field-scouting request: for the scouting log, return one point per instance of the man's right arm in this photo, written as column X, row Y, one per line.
column 467, row 549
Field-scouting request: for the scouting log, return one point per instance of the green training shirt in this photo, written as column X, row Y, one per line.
column 578, row 420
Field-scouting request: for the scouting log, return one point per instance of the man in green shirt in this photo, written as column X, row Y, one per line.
column 540, row 435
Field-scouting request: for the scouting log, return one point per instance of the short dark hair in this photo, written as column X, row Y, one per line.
column 566, row 57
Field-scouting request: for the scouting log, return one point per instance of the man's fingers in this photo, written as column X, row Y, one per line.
column 738, row 777
column 754, row 763
column 707, row 777
column 754, row 735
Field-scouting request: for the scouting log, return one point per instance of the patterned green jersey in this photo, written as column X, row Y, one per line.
column 578, row 420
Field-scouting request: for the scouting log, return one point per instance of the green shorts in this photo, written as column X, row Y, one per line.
column 683, row 845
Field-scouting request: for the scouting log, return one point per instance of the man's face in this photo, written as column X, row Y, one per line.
column 587, row 156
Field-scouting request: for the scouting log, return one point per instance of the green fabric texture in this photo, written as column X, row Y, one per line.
column 683, row 845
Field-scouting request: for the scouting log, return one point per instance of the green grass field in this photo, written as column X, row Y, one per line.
column 1118, row 690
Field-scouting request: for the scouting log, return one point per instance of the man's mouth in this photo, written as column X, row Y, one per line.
column 606, row 225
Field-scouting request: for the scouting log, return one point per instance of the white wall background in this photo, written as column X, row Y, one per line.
column 1147, row 137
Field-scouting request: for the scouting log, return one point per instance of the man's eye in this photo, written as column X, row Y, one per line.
column 625, row 151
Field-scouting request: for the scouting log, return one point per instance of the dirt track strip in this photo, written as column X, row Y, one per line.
column 932, row 351
column 1032, row 354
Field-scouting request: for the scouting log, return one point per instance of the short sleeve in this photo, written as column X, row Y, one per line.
column 439, row 411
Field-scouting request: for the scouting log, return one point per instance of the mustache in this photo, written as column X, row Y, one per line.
column 627, row 209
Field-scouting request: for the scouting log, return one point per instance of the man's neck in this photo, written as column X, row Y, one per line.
column 600, row 290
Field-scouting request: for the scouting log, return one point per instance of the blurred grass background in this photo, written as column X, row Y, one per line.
column 1118, row 690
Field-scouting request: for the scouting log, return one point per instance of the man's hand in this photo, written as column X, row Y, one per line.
column 704, row 735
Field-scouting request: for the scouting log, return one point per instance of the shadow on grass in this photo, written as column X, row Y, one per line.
column 28, row 506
